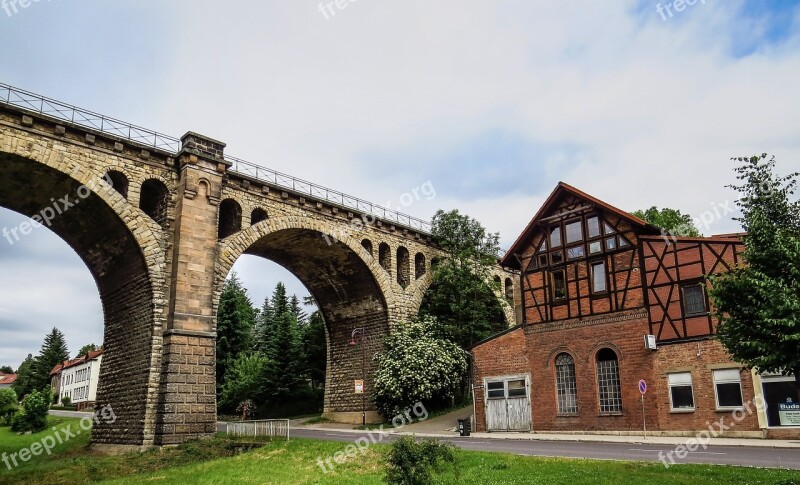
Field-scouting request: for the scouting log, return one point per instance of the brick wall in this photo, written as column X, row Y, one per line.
column 503, row 355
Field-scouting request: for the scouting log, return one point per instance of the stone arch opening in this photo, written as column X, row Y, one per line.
column 419, row 266
column 385, row 257
column 347, row 293
column 119, row 182
column 230, row 218
column 258, row 215
column 403, row 267
column 154, row 201
column 367, row 245
column 116, row 254
column 509, row 290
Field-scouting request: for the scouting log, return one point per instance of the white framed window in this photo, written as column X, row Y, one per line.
column 728, row 388
column 681, row 392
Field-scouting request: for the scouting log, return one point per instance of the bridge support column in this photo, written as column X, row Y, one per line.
column 187, row 396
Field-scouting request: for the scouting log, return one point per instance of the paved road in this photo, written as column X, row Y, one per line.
column 718, row 455
column 721, row 455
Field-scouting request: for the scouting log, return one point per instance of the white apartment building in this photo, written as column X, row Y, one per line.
column 78, row 380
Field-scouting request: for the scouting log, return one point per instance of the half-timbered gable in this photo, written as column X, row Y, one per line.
column 579, row 258
column 676, row 294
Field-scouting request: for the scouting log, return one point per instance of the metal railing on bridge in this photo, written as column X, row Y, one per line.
column 264, row 428
column 64, row 112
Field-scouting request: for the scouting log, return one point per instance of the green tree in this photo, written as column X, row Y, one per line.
column 86, row 349
column 6, row 369
column 297, row 311
column 758, row 303
column 284, row 346
column 24, row 383
column 670, row 220
column 235, row 321
column 54, row 351
column 461, row 296
column 263, row 329
column 8, row 405
column 417, row 365
column 315, row 346
column 246, row 380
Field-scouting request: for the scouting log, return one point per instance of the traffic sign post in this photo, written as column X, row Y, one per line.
column 643, row 391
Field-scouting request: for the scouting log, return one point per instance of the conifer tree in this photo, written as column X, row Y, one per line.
column 235, row 321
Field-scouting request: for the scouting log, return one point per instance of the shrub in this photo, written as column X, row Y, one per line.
column 66, row 401
column 8, row 405
column 417, row 366
column 33, row 416
column 413, row 463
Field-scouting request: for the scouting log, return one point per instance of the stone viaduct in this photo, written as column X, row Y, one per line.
column 160, row 221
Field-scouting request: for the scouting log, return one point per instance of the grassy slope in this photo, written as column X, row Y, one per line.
column 295, row 462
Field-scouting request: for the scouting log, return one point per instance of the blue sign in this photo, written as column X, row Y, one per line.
column 642, row 386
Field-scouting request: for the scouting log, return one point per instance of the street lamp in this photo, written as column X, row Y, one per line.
column 362, row 332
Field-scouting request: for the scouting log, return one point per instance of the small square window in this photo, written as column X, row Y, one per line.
column 681, row 394
column 574, row 232
column 542, row 260
column 559, row 285
column 496, row 389
column 575, row 252
column 516, row 388
column 556, row 258
column 694, row 302
column 728, row 388
column 595, row 247
column 611, row 243
column 593, row 227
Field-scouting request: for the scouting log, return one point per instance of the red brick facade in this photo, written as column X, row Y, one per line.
column 595, row 282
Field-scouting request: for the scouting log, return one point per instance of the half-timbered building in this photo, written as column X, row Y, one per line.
column 609, row 300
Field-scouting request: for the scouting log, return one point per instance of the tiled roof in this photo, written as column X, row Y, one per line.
column 73, row 362
column 6, row 379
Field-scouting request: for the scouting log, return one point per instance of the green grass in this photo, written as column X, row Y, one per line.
column 214, row 461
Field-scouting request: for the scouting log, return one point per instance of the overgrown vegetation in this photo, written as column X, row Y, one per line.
column 671, row 220
column 417, row 366
column 33, row 415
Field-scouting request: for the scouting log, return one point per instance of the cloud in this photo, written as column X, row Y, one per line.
column 492, row 102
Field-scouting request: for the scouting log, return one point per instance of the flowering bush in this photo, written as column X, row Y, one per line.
column 415, row 366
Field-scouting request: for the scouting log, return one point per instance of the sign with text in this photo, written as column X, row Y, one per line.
column 359, row 386
column 789, row 413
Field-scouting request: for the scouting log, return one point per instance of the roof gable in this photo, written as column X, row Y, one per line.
column 564, row 199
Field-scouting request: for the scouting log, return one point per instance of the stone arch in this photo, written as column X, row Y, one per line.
column 367, row 244
column 403, row 267
column 154, row 200
column 419, row 266
column 509, row 290
column 119, row 182
column 258, row 215
column 122, row 250
column 230, row 218
column 350, row 287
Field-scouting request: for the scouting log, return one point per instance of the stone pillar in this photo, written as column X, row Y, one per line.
column 187, row 401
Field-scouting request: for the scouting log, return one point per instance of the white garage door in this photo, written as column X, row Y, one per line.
column 508, row 404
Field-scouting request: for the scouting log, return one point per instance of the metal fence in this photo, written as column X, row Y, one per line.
column 270, row 428
column 64, row 112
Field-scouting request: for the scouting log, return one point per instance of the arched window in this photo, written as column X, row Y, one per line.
column 498, row 284
column 419, row 266
column 566, row 389
column 367, row 245
column 154, row 201
column 230, row 218
column 119, row 182
column 403, row 267
column 608, row 382
column 385, row 256
column 258, row 215
column 509, row 290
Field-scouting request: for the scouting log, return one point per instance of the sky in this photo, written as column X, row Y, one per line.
column 492, row 104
